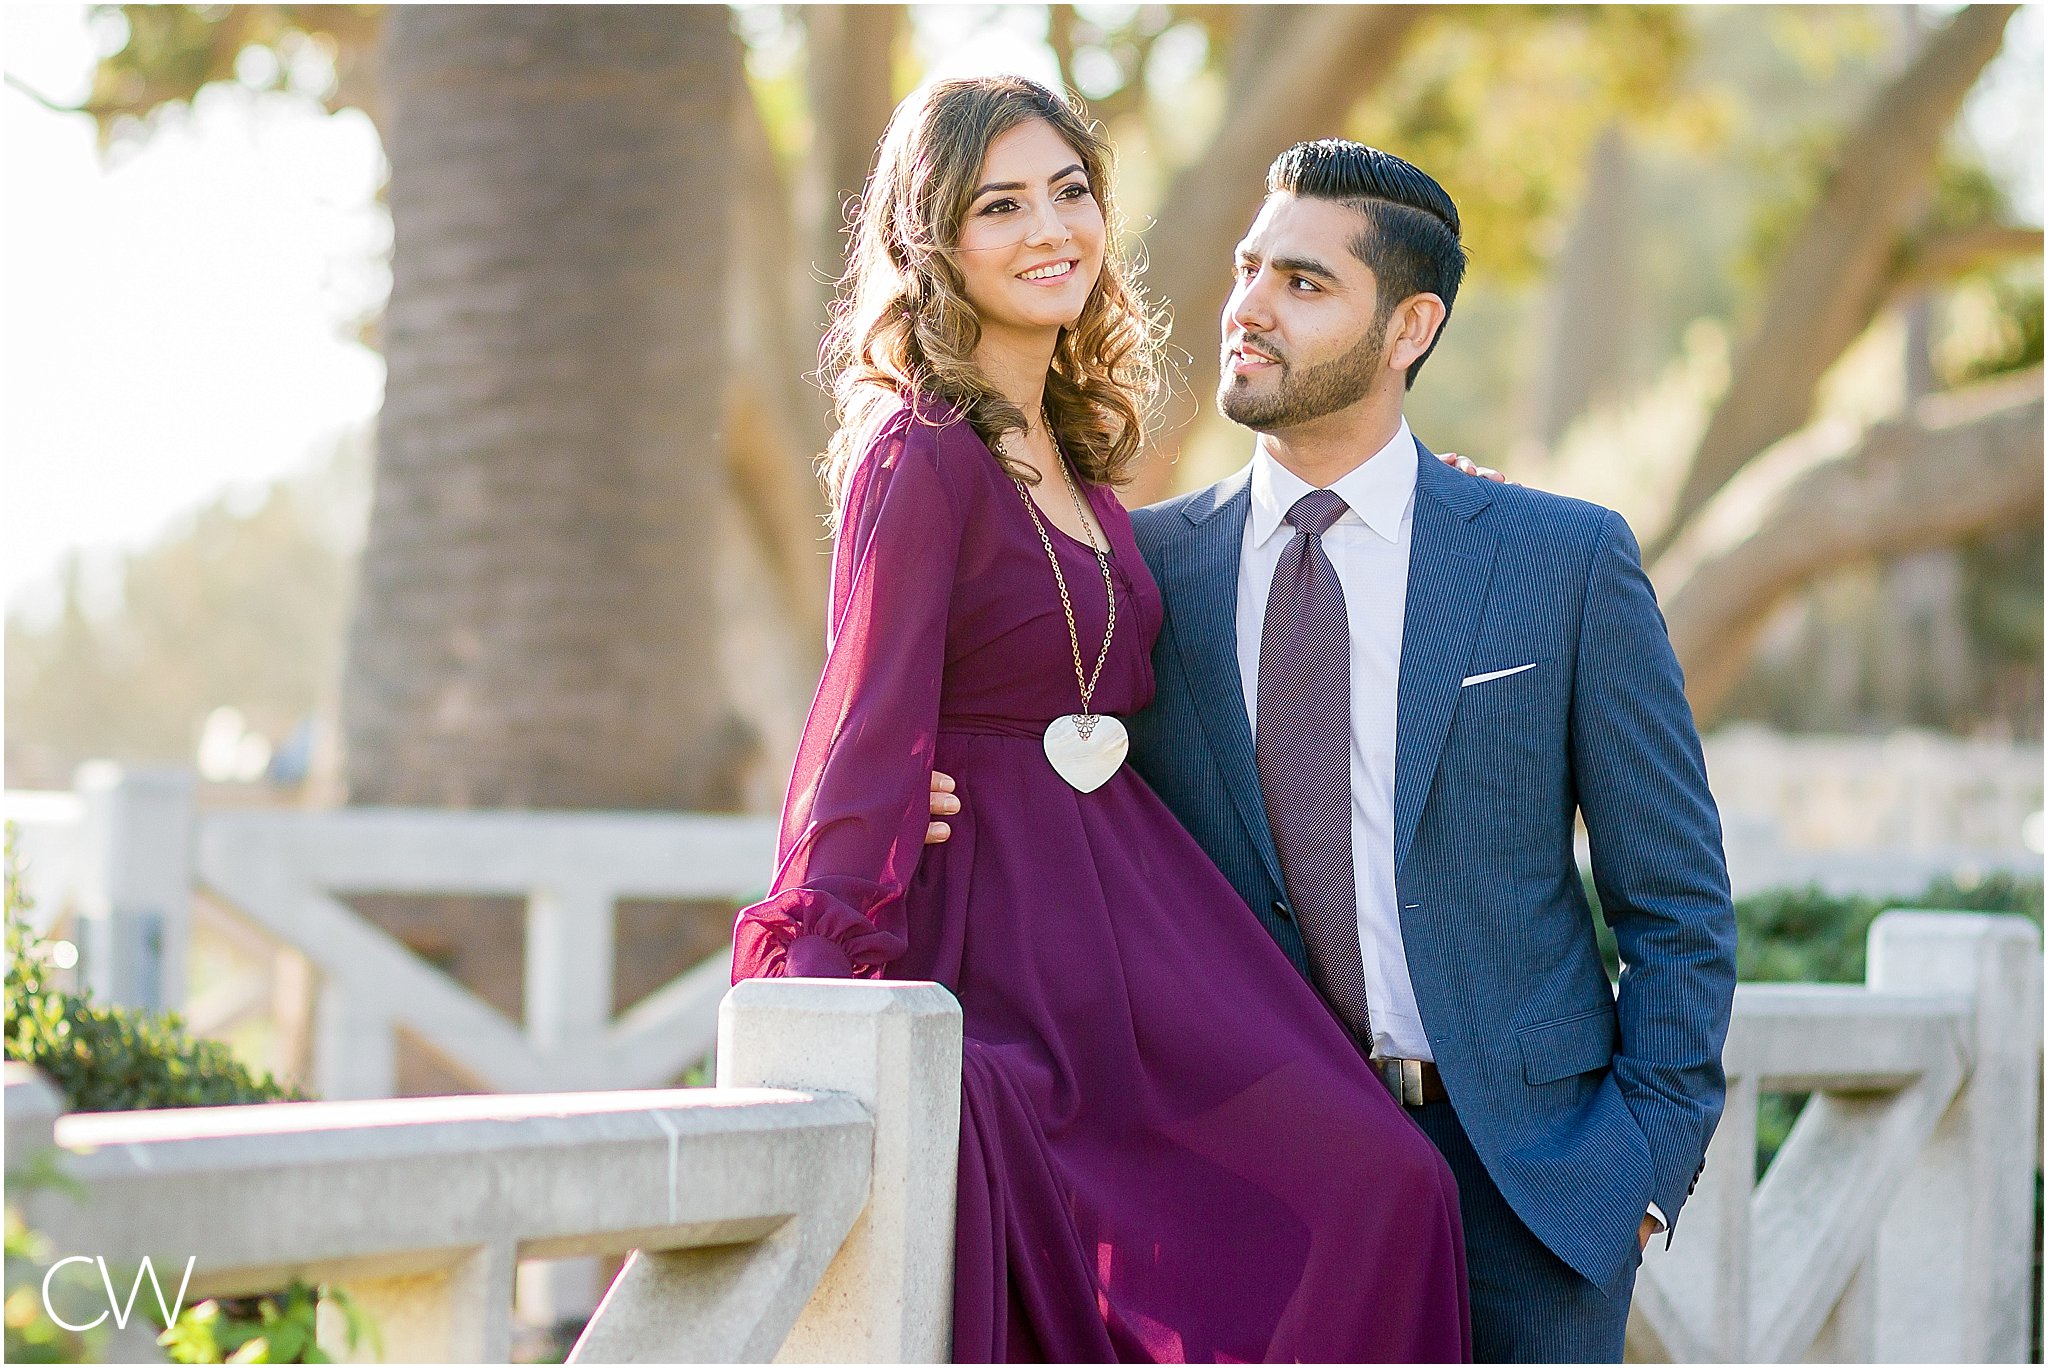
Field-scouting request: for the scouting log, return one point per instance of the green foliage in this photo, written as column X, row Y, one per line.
column 112, row 1058
column 2010, row 323
column 1503, row 104
column 1805, row 935
column 32, row 1336
column 279, row 1328
column 167, row 54
column 116, row 1059
column 1802, row 935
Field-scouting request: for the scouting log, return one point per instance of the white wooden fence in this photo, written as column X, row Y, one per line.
column 803, row 1206
column 141, row 848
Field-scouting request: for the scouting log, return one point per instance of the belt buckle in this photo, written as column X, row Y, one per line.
column 1403, row 1078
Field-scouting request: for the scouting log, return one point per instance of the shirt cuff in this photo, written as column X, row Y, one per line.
column 1656, row 1213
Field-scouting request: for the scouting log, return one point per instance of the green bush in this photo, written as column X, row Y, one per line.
column 32, row 1336
column 112, row 1058
column 278, row 1328
column 121, row 1059
column 1802, row 935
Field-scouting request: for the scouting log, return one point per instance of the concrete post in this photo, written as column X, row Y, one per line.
column 568, row 967
column 458, row 1314
column 135, row 883
column 888, row 1295
column 32, row 1107
column 1706, row 1270
column 355, row 1045
column 569, row 936
column 1954, row 1255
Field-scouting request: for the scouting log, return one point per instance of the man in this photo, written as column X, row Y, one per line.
column 1385, row 690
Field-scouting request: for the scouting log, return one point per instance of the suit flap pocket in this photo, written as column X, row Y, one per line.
column 1574, row 1045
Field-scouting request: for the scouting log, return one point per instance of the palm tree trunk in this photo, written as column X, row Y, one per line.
column 534, row 623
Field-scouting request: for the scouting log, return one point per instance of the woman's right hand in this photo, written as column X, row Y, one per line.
column 944, row 804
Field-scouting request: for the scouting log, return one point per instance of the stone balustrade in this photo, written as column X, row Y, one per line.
column 802, row 1209
column 803, row 1205
column 1895, row 1224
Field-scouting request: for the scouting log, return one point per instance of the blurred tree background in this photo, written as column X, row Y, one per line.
column 1736, row 272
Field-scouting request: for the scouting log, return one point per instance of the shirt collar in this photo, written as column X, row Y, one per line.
column 1377, row 492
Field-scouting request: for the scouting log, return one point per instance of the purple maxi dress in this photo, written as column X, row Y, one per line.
column 1170, row 1150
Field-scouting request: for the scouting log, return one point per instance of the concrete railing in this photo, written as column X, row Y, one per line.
column 1895, row 1224
column 802, row 1206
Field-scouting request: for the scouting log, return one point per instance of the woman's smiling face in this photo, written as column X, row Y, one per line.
column 1030, row 249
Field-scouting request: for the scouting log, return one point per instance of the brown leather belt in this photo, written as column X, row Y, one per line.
column 1413, row 1082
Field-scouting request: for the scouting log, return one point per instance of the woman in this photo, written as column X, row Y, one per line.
column 1170, row 1150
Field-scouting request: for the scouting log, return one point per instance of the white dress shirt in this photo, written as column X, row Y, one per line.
column 1368, row 545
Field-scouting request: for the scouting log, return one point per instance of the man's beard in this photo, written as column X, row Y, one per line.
column 1321, row 389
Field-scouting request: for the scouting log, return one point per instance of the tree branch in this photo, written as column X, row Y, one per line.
column 1960, row 464
column 776, row 419
column 774, row 416
column 1836, row 272
column 1059, row 36
column 1947, row 254
column 54, row 106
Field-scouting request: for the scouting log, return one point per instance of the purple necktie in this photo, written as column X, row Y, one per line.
column 1304, row 755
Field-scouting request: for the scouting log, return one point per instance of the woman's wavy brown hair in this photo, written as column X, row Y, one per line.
column 902, row 325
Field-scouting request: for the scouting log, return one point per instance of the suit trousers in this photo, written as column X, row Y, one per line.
column 1528, row 1305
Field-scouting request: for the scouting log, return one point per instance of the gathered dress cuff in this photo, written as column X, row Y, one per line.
column 809, row 933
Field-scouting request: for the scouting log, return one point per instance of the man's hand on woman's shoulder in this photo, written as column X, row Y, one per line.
column 1457, row 462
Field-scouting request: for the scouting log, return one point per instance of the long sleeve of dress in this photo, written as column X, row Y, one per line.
column 859, row 794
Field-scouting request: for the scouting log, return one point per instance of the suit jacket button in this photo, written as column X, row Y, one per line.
column 1280, row 911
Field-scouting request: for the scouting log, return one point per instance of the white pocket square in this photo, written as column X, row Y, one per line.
column 1469, row 680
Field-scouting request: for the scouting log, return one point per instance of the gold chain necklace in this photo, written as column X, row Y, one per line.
column 1085, row 748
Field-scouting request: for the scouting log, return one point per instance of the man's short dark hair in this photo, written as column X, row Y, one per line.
column 1410, row 241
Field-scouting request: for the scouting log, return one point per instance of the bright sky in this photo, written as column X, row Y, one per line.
column 178, row 313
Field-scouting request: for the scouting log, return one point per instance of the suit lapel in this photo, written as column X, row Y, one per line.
column 1450, row 565
column 1204, row 618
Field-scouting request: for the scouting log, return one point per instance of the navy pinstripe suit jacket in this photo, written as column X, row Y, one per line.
column 1585, row 1104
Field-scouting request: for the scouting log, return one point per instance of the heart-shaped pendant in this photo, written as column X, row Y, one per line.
column 1086, row 749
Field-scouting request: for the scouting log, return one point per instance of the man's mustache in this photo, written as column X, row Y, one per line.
column 1256, row 345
